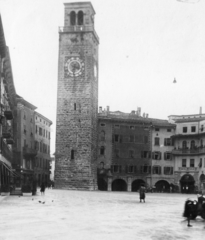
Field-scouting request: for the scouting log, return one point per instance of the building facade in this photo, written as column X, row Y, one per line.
column 77, row 100
column 42, row 146
column 189, row 151
column 7, row 111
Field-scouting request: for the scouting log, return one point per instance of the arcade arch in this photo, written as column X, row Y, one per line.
column 119, row 185
column 187, row 183
column 136, row 184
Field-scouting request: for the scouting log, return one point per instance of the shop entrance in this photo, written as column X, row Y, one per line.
column 187, row 184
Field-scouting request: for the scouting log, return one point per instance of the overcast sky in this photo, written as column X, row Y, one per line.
column 144, row 44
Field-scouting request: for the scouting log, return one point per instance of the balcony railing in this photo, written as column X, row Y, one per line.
column 188, row 168
column 188, row 151
column 79, row 28
column 6, row 151
column 29, row 152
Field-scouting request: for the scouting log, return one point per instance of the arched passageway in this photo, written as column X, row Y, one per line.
column 136, row 184
column 102, row 184
column 162, row 186
column 187, row 184
column 119, row 185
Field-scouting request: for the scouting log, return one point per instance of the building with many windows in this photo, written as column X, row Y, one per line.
column 42, row 146
column 189, row 151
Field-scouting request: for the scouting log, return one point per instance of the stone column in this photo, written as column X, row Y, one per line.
column 129, row 184
column 109, row 185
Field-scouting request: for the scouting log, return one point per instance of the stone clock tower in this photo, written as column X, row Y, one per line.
column 77, row 100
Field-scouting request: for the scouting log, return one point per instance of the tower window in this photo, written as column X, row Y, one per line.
column 74, row 106
column 72, row 154
column 72, row 18
column 102, row 150
column 80, row 18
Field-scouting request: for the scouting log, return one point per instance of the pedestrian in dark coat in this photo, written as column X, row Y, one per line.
column 42, row 188
column 142, row 193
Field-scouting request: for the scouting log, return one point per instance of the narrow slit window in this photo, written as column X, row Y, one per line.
column 72, row 154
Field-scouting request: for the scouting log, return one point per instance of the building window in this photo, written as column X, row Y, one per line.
column 72, row 18
column 167, row 142
column 184, row 145
column 156, row 170
column 116, row 168
column 132, row 137
column 202, row 128
column 192, row 144
column 191, row 162
column 145, row 169
column 102, row 150
column 184, row 129
column 130, row 169
column 145, row 139
column 145, row 154
column 40, row 131
column 102, row 136
column 183, row 162
column 193, row 128
column 117, row 153
column 168, row 170
column 156, row 155
column 117, row 126
column 167, row 156
column 74, row 106
column 169, row 130
column 156, row 141
column 102, row 125
column 80, row 18
column 201, row 143
column 156, row 129
column 131, row 154
column 72, row 154
column 117, row 138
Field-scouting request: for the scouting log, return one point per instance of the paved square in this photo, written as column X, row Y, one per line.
column 97, row 215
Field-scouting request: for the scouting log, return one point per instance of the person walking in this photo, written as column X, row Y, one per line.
column 42, row 188
column 142, row 193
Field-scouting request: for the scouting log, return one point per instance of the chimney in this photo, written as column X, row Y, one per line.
column 100, row 109
column 108, row 108
column 200, row 110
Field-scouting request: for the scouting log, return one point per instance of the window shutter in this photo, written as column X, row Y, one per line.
column 160, row 170
column 165, row 156
column 171, row 170
column 165, row 142
column 135, row 169
column 120, row 168
column 160, row 155
column 141, row 169
column 152, row 155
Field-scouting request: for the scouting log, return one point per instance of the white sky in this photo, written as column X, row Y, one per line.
column 144, row 44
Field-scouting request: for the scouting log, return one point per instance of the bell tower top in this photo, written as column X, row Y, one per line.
column 79, row 14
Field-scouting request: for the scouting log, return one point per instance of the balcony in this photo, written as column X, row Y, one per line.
column 78, row 28
column 10, row 141
column 8, row 114
column 188, row 169
column 183, row 152
column 6, row 135
column 29, row 152
column 6, row 151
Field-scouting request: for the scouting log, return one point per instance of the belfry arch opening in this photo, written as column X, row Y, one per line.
column 80, row 18
column 119, row 185
column 72, row 18
column 136, row 184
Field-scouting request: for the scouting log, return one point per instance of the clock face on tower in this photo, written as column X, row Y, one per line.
column 74, row 66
